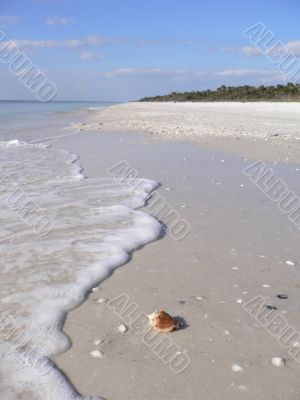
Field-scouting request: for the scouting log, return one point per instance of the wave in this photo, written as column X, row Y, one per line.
column 61, row 234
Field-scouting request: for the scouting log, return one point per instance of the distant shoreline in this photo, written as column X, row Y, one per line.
column 266, row 130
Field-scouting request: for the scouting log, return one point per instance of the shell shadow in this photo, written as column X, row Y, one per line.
column 182, row 322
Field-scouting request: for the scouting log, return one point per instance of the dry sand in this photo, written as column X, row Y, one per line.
column 258, row 130
column 236, row 250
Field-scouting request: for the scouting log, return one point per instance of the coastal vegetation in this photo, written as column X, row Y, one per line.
column 288, row 92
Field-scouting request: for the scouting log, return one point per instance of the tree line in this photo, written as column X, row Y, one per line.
column 288, row 92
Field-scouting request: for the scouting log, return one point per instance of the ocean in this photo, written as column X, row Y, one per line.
column 61, row 234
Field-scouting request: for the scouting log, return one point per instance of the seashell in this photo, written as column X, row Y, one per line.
column 278, row 361
column 198, row 298
column 290, row 263
column 236, row 368
column 270, row 307
column 122, row 328
column 162, row 321
column 96, row 354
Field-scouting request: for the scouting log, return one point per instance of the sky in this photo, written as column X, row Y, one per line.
column 119, row 50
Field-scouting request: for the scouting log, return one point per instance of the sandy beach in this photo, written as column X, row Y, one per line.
column 269, row 131
column 149, row 200
column 240, row 247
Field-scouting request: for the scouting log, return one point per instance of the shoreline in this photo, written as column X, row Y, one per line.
column 228, row 259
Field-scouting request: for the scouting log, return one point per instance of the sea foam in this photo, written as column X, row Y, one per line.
column 94, row 225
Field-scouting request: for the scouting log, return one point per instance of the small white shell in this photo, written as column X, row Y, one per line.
column 96, row 354
column 291, row 263
column 236, row 368
column 95, row 289
column 102, row 300
column 97, row 342
column 278, row 361
column 122, row 328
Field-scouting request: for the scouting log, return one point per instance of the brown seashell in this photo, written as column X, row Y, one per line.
column 162, row 321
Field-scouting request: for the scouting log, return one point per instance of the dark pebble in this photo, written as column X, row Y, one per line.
column 282, row 296
column 269, row 307
column 181, row 301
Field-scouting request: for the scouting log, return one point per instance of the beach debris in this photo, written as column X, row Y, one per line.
column 98, row 342
column 161, row 321
column 239, row 301
column 266, row 286
column 290, row 263
column 95, row 289
column 278, row 361
column 96, row 354
column 236, row 368
column 198, row 298
column 102, row 300
column 270, row 307
column 282, row 296
column 122, row 328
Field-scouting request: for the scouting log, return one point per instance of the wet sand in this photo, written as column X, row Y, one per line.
column 236, row 250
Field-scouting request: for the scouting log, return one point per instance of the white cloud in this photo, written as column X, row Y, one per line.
column 187, row 42
column 260, row 75
column 59, row 20
column 43, row 44
column 95, row 85
column 8, row 20
column 70, row 43
column 146, row 72
column 147, row 42
column 90, row 56
column 246, row 72
column 95, row 41
column 231, row 75
column 251, row 51
column 100, row 40
column 294, row 47
column 247, row 50
column 230, row 50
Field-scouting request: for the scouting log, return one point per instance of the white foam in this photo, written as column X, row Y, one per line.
column 95, row 226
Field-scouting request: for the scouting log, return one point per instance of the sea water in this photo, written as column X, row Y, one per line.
column 61, row 234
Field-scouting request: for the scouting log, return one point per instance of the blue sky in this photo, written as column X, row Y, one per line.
column 126, row 49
